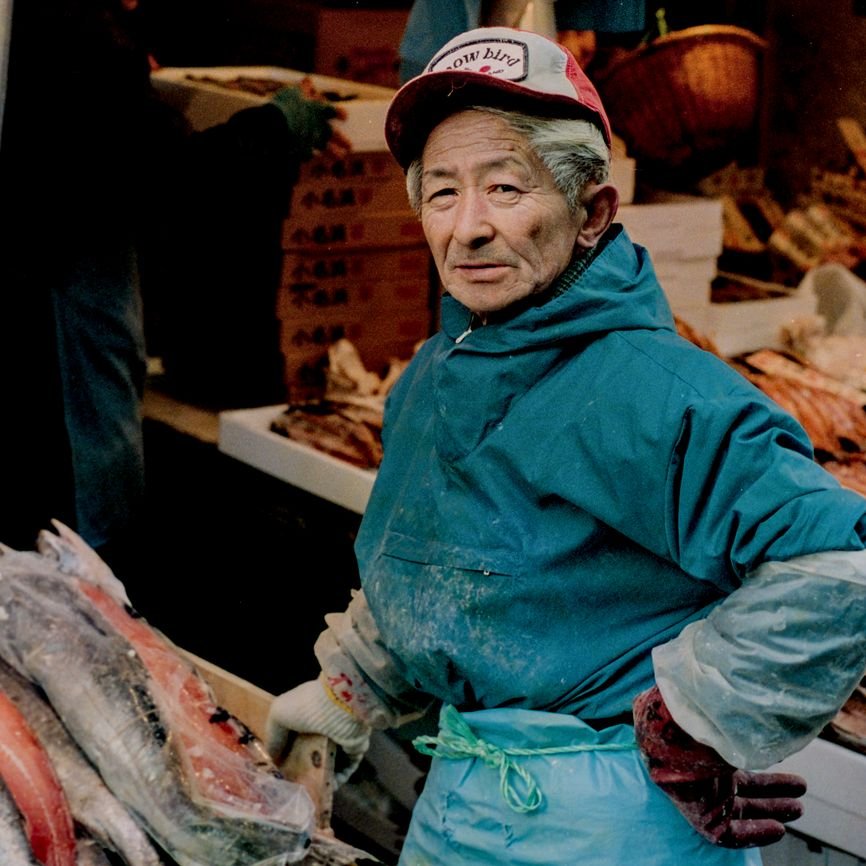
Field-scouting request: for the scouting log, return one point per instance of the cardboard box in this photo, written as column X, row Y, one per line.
column 364, row 166
column 360, row 44
column 205, row 97
column 318, row 270
column 299, row 302
column 360, row 184
column 379, row 339
column 333, row 233
column 356, row 265
column 332, row 38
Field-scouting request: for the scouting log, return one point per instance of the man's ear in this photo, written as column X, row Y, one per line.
column 601, row 202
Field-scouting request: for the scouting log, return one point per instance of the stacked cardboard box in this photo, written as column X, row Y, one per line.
column 355, row 265
column 360, row 44
column 332, row 37
column 683, row 235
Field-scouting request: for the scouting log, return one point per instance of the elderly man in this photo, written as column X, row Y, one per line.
column 610, row 561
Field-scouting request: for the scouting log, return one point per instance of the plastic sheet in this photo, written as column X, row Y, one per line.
column 771, row 665
column 195, row 777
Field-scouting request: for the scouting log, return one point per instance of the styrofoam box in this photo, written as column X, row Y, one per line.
column 205, row 104
column 622, row 175
column 679, row 227
column 687, row 283
column 834, row 809
column 245, row 434
column 698, row 317
column 746, row 326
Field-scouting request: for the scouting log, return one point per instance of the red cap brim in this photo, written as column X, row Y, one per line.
column 422, row 103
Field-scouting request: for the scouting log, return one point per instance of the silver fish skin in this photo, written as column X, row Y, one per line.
column 93, row 678
column 92, row 804
column 88, row 852
column 15, row 848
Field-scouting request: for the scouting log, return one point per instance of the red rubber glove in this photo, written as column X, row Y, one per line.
column 729, row 807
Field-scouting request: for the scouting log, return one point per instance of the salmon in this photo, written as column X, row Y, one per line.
column 196, row 778
column 15, row 847
column 29, row 776
column 93, row 806
column 90, row 853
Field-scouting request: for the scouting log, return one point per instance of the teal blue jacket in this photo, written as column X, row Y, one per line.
column 567, row 487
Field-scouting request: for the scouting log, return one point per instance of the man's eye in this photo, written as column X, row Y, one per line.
column 505, row 193
column 440, row 193
column 439, row 197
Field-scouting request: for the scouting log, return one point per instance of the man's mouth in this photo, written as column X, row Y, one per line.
column 479, row 267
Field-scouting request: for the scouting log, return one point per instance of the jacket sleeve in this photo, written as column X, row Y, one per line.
column 772, row 664
column 352, row 655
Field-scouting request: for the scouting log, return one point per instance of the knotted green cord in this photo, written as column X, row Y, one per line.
column 457, row 740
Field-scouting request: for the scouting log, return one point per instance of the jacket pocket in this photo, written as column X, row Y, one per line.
column 426, row 551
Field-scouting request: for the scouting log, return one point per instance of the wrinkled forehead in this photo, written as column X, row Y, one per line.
column 476, row 136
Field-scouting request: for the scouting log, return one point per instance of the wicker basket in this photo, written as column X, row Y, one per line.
column 687, row 97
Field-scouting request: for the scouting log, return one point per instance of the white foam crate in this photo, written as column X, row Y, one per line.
column 245, row 434
column 677, row 228
column 834, row 805
column 746, row 326
column 206, row 104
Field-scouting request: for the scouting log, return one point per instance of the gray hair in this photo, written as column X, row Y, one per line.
column 574, row 152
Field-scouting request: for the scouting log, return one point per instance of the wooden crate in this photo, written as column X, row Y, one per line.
column 311, row 761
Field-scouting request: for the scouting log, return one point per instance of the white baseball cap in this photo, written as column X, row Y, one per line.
column 494, row 66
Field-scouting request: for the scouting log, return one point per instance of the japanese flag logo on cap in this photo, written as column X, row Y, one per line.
column 491, row 66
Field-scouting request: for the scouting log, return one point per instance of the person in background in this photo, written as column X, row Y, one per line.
column 432, row 22
column 608, row 561
column 92, row 165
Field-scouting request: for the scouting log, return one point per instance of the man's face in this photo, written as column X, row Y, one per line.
column 498, row 228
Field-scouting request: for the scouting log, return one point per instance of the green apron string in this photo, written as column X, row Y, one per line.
column 457, row 740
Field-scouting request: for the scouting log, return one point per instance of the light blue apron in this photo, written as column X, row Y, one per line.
column 530, row 788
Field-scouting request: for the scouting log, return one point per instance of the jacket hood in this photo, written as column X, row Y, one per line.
column 612, row 288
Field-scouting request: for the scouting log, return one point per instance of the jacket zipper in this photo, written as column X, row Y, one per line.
column 473, row 321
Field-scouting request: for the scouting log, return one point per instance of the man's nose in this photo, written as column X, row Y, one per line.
column 472, row 220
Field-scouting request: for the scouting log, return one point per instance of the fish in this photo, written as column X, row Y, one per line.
column 94, row 808
column 196, row 778
column 91, row 853
column 15, row 847
column 29, row 777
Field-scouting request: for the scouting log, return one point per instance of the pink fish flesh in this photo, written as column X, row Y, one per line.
column 15, row 847
column 93, row 806
column 197, row 779
column 29, row 776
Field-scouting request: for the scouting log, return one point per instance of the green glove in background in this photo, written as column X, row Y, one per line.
column 308, row 120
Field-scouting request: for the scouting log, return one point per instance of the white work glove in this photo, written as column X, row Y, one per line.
column 312, row 708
